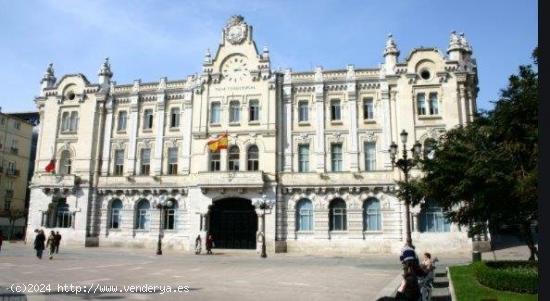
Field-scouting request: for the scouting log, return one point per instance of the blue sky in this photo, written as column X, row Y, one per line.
column 151, row 39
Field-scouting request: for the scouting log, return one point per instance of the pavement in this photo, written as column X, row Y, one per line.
column 227, row 275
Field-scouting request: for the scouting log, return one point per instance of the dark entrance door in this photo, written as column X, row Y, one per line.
column 233, row 224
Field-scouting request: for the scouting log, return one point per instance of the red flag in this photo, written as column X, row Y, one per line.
column 51, row 166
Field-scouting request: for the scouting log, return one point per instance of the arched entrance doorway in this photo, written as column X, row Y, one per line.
column 233, row 223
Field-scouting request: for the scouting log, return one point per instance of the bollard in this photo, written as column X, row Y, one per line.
column 476, row 256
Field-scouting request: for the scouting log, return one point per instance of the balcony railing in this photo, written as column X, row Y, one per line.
column 238, row 179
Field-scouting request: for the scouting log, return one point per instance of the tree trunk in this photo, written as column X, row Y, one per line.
column 528, row 237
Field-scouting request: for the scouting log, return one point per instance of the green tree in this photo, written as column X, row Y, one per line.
column 486, row 172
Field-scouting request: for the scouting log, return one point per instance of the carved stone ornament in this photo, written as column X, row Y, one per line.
column 235, row 30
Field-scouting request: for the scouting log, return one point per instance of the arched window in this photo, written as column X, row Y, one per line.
column 304, row 215
column 215, row 109
column 114, row 218
column 65, row 163
column 63, row 215
column 169, row 219
column 254, row 110
column 65, row 122
column 214, row 161
column 432, row 219
column 372, row 220
column 143, row 216
column 122, row 120
column 233, row 158
column 337, row 215
column 74, row 121
column 253, row 158
column 234, row 111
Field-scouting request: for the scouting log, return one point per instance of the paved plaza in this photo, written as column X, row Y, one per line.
column 227, row 275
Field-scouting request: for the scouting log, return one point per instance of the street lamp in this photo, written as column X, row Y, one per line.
column 263, row 204
column 162, row 205
column 405, row 165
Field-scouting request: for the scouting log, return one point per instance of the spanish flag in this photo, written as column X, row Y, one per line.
column 219, row 143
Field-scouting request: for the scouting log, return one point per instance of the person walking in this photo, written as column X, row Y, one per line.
column 409, row 288
column 209, row 244
column 57, row 241
column 39, row 243
column 51, row 244
column 1, row 240
column 198, row 245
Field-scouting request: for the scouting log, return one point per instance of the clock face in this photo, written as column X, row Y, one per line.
column 235, row 68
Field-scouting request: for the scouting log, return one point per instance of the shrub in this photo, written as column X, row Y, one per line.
column 515, row 276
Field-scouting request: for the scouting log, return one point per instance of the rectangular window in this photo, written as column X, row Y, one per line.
column 421, row 104
column 122, row 120
column 215, row 113
column 65, row 122
column 254, row 110
column 434, row 105
column 119, row 162
column 303, row 158
column 174, row 117
column 145, row 161
column 368, row 109
column 215, row 161
column 336, row 156
column 335, row 110
column 173, row 161
column 370, row 156
column 234, row 112
column 148, row 119
column 303, row 111
column 74, row 122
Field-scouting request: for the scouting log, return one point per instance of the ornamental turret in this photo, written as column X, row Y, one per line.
column 48, row 80
column 391, row 53
column 459, row 48
column 105, row 74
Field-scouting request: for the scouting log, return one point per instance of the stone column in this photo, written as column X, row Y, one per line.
column 462, row 104
column 393, row 114
column 107, row 129
column 133, row 122
column 319, row 128
column 186, row 141
column 159, row 138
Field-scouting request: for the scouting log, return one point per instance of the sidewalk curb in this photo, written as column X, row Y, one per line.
column 390, row 289
column 451, row 287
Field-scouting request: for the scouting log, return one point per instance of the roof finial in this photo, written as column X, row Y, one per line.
column 391, row 46
column 207, row 56
column 49, row 75
column 105, row 69
column 464, row 43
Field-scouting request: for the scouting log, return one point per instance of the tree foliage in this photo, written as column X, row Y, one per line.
column 486, row 172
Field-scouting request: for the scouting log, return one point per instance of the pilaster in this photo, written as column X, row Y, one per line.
column 319, row 128
column 352, row 108
column 186, row 139
column 159, row 137
column 287, row 94
column 107, row 130
column 131, row 161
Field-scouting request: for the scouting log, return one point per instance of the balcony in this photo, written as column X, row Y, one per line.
column 14, row 150
column 12, row 172
column 378, row 178
column 225, row 179
column 56, row 181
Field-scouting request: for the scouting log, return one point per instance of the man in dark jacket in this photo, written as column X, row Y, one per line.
column 57, row 241
column 39, row 243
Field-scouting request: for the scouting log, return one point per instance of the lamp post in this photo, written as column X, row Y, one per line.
column 405, row 164
column 162, row 205
column 263, row 204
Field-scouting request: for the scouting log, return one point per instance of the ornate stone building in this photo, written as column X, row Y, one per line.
column 314, row 144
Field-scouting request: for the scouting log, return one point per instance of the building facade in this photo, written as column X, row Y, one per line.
column 313, row 145
column 15, row 151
